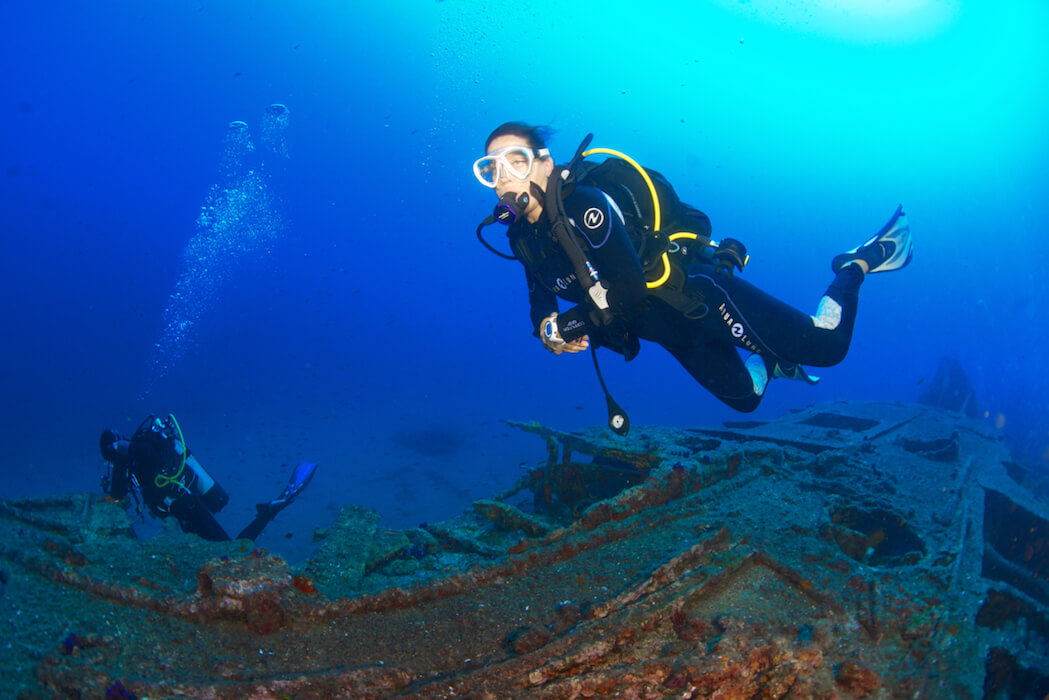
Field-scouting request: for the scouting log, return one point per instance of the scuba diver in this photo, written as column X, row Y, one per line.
column 615, row 240
column 156, row 463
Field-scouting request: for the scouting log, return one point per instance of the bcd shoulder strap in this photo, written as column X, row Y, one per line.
column 624, row 183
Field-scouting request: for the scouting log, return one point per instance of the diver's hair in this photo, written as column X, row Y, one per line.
column 536, row 136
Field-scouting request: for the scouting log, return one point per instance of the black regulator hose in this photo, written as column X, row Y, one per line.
column 480, row 236
column 507, row 209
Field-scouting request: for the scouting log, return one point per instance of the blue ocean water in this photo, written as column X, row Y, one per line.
column 339, row 308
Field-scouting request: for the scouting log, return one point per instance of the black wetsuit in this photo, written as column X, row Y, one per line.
column 140, row 458
column 732, row 314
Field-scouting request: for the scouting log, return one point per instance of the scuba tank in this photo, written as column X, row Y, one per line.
column 179, row 471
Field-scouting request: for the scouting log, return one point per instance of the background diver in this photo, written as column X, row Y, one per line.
column 155, row 463
column 639, row 264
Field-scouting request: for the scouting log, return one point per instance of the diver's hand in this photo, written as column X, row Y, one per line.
column 577, row 345
column 552, row 339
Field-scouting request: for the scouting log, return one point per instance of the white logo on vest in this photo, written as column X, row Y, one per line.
column 593, row 218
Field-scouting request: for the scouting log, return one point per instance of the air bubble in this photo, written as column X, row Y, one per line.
column 237, row 219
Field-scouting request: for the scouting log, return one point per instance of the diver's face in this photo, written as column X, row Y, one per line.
column 507, row 182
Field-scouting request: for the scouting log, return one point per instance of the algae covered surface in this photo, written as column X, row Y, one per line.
column 847, row 550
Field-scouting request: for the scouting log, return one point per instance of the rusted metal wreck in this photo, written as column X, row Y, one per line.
column 844, row 551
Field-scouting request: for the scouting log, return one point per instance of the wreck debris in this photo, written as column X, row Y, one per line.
column 824, row 554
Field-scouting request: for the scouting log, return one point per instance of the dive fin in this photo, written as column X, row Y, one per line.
column 788, row 370
column 300, row 478
column 889, row 249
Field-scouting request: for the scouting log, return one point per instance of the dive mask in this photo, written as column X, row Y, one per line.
column 511, row 160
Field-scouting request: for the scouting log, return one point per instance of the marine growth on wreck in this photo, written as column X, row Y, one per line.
column 848, row 550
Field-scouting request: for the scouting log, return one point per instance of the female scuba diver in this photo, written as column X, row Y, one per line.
column 638, row 264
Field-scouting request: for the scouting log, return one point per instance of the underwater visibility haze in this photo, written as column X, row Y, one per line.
column 259, row 217
column 306, row 284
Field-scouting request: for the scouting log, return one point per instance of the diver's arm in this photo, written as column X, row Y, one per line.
column 541, row 301
column 543, row 307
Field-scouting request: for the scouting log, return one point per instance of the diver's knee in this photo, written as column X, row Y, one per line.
column 837, row 354
column 743, row 404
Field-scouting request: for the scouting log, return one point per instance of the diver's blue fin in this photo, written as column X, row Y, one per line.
column 889, row 249
column 786, row 370
column 300, row 478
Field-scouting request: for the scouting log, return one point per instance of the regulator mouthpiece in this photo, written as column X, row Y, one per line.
column 510, row 206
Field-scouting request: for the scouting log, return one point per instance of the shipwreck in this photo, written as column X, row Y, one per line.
column 847, row 550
